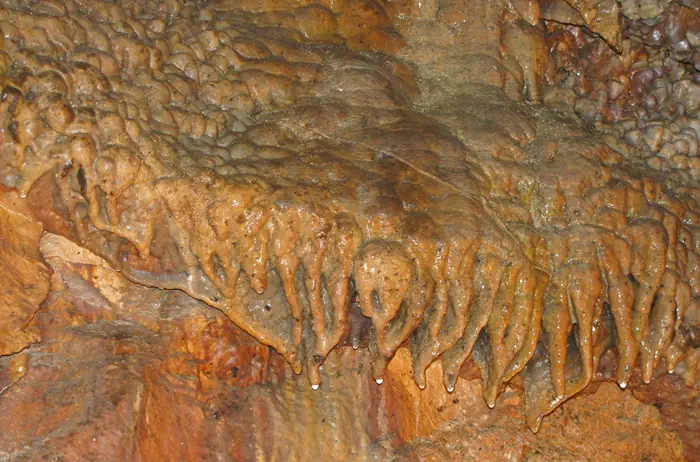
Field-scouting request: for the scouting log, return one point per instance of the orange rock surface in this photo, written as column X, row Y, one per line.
column 126, row 372
column 25, row 283
column 226, row 194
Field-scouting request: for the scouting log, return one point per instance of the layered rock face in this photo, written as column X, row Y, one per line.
column 321, row 175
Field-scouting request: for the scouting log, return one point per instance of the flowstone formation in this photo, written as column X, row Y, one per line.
column 393, row 174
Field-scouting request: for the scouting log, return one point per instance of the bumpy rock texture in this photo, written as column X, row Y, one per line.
column 126, row 372
column 328, row 174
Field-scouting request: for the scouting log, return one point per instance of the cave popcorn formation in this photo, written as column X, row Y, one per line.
column 294, row 165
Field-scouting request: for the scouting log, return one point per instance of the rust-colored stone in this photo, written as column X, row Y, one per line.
column 232, row 192
column 25, row 281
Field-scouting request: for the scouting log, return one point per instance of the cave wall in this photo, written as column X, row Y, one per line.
column 504, row 187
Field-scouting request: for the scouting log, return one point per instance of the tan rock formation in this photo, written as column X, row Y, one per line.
column 25, row 282
column 331, row 174
column 126, row 372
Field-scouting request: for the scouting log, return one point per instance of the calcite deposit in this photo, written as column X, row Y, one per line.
column 460, row 190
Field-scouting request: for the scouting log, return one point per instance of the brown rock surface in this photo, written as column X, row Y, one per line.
column 25, row 281
column 177, row 381
column 218, row 180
